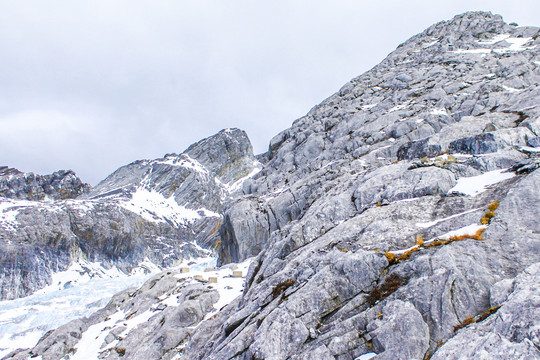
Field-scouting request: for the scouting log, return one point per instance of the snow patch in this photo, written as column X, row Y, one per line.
column 435, row 222
column 405, row 200
column 430, row 44
column 153, row 206
column 463, row 156
column 185, row 161
column 472, row 51
column 121, row 319
column 274, row 194
column 329, row 164
column 92, row 339
column 369, row 106
column 516, row 44
column 475, row 185
column 466, row 230
column 495, row 39
column 529, row 149
column 8, row 219
column 135, row 321
column 439, row 112
column 398, row 107
column 510, row 89
column 366, row 356
column 22, row 341
column 228, row 287
column 237, row 185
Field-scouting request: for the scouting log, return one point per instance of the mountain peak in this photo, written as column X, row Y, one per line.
column 225, row 153
column 6, row 171
column 471, row 24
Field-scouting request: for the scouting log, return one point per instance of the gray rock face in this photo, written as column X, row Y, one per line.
column 28, row 186
column 155, row 210
column 469, row 86
column 253, row 226
column 383, row 220
column 513, row 332
column 389, row 184
column 400, row 318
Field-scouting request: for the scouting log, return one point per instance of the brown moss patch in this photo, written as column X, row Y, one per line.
column 281, row 287
column 120, row 351
column 389, row 285
column 394, row 259
column 478, row 318
column 493, row 206
column 486, row 219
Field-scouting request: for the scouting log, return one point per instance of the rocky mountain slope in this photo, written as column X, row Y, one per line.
column 396, row 220
column 152, row 211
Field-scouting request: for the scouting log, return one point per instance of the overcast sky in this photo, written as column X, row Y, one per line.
column 94, row 85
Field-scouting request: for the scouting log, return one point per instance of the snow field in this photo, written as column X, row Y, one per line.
column 475, row 185
column 153, row 206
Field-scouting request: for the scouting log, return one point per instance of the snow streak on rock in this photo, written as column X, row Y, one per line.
column 154, row 207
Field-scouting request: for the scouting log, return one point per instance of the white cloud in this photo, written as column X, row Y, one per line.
column 121, row 80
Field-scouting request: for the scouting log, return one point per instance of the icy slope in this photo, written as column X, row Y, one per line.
column 168, row 305
column 73, row 294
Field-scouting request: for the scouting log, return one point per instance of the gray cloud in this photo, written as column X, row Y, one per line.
column 94, row 85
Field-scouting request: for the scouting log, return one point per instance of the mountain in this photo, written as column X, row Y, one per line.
column 148, row 212
column 396, row 220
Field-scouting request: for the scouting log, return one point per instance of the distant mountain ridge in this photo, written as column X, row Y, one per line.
column 151, row 210
column 60, row 185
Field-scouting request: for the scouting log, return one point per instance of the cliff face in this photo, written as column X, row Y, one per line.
column 398, row 218
column 160, row 211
